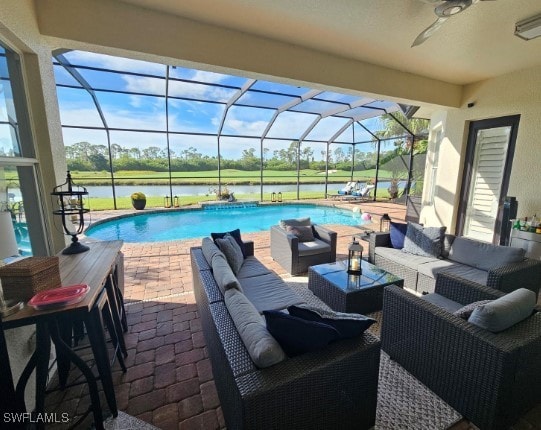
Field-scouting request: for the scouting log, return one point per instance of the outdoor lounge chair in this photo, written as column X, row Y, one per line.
column 363, row 193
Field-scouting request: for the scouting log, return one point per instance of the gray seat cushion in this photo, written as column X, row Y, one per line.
column 232, row 251
column 482, row 255
column 425, row 241
column 252, row 267
column 505, row 311
column 263, row 348
column 409, row 260
column 295, row 222
column 432, row 268
column 314, row 247
column 469, row 273
column 269, row 292
column 442, row 302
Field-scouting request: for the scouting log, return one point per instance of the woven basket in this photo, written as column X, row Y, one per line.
column 24, row 278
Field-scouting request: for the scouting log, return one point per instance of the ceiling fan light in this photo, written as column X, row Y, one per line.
column 452, row 7
column 529, row 28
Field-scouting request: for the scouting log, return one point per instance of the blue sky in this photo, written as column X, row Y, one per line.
column 147, row 112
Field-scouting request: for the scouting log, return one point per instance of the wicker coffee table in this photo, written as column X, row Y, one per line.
column 347, row 293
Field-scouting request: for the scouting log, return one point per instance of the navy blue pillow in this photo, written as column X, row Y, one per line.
column 398, row 234
column 296, row 335
column 236, row 236
column 347, row 324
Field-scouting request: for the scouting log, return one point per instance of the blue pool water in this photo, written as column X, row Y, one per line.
column 188, row 224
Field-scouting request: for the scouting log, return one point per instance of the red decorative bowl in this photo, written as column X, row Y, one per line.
column 58, row 297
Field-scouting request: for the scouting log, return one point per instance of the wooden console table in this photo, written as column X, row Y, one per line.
column 93, row 268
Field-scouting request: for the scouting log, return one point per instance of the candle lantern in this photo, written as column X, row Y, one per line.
column 70, row 206
column 273, row 197
column 279, row 196
column 167, row 202
column 355, row 256
column 175, row 202
column 384, row 223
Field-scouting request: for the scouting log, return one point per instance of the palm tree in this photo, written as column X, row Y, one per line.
column 390, row 128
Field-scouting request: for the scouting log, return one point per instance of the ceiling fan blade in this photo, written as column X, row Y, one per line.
column 429, row 31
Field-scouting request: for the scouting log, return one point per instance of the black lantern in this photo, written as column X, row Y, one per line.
column 355, row 256
column 273, row 197
column 167, row 202
column 175, row 201
column 385, row 223
column 71, row 208
column 279, row 197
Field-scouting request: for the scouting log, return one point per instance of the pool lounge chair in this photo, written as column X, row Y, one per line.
column 361, row 194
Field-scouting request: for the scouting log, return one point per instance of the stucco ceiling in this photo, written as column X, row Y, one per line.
column 475, row 45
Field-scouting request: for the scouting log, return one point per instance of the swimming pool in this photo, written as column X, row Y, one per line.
column 189, row 224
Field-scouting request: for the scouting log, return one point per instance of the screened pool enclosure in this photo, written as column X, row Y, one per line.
column 181, row 135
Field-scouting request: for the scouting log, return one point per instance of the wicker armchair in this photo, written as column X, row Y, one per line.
column 491, row 379
column 286, row 251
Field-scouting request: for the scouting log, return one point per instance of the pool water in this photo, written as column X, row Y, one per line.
column 189, row 224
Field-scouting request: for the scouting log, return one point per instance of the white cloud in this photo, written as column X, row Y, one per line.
column 115, row 63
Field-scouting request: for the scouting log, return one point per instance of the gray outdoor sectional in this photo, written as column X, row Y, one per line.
column 335, row 387
column 500, row 267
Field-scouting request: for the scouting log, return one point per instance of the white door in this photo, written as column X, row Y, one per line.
column 486, row 183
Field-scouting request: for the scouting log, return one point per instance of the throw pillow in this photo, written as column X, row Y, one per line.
column 466, row 311
column 505, row 311
column 223, row 274
column 235, row 234
column 231, row 249
column 424, row 241
column 294, row 222
column 296, row 335
column 347, row 324
column 398, row 234
column 264, row 349
column 305, row 234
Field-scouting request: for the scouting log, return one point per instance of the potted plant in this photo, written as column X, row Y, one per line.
column 138, row 200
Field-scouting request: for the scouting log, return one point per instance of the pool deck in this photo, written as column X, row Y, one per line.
column 169, row 381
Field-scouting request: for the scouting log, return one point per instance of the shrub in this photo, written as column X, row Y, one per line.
column 138, row 196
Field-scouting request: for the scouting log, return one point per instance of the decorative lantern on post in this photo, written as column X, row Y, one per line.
column 279, row 196
column 167, row 202
column 71, row 208
column 273, row 197
column 175, row 202
column 355, row 256
column 384, row 223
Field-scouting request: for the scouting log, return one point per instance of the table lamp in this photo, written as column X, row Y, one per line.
column 8, row 248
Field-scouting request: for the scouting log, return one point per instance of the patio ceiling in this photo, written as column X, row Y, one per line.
column 475, row 45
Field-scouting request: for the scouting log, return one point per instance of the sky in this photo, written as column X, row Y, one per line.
column 148, row 112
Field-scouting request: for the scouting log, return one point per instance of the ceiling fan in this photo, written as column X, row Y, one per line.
column 444, row 10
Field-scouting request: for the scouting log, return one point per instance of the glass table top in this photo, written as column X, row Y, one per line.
column 372, row 276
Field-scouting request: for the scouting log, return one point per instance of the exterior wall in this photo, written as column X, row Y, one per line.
column 515, row 93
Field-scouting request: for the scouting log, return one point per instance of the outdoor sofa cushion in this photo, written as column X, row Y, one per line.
column 252, row 267
column 484, row 256
column 314, row 247
column 263, row 348
column 294, row 222
column 269, row 292
column 235, row 233
column 209, row 248
column 442, row 302
column 405, row 259
column 304, row 233
column 224, row 276
column 398, row 234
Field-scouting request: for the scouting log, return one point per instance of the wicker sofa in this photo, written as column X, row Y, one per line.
column 492, row 379
column 335, row 387
column 419, row 273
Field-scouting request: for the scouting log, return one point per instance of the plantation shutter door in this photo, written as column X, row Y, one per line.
column 486, row 182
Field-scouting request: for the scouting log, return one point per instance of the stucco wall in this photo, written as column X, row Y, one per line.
column 515, row 93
